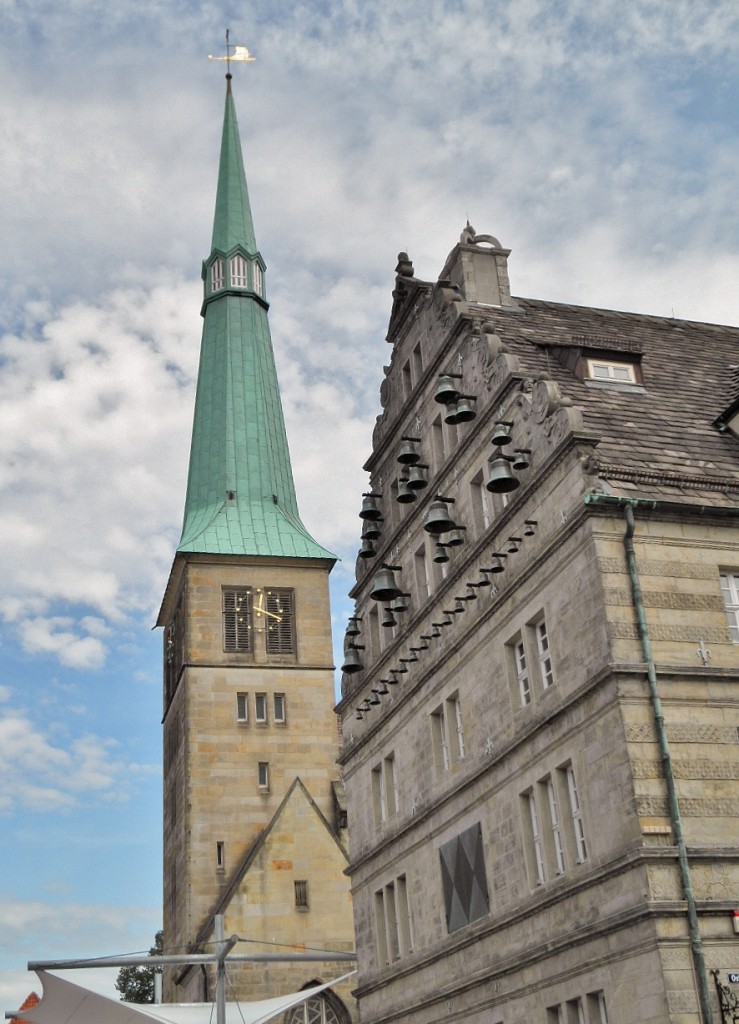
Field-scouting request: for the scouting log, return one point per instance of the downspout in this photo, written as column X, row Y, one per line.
column 696, row 945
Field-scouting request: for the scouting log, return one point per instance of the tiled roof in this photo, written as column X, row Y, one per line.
column 660, row 438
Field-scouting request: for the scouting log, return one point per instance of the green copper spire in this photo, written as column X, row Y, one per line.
column 240, row 491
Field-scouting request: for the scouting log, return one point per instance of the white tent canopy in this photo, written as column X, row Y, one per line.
column 63, row 1002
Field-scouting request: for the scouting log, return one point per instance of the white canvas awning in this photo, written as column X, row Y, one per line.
column 63, row 1002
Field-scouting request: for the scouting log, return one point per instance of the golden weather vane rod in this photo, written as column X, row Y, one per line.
column 238, row 53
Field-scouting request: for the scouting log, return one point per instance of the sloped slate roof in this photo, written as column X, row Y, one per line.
column 667, row 427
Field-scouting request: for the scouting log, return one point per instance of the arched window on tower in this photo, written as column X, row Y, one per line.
column 238, row 271
column 257, row 278
column 216, row 275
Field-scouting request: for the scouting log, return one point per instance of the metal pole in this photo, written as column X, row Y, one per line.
column 220, row 971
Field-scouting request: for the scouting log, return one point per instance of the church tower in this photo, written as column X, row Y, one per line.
column 253, row 809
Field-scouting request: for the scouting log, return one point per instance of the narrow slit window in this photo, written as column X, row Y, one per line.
column 220, row 856
column 217, row 275
column 257, row 278
column 260, row 708
column 301, row 893
column 242, row 707
column 263, row 775
column 279, row 705
column 730, row 592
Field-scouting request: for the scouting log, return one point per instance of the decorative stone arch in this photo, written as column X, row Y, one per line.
column 324, row 1008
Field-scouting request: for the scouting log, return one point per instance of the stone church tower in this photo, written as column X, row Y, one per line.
column 254, row 826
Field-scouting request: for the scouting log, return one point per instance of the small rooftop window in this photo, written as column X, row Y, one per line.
column 599, row 369
column 609, row 371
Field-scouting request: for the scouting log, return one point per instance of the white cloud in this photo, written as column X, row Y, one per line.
column 39, row 774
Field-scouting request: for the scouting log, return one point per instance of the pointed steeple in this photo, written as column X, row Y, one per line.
column 240, row 491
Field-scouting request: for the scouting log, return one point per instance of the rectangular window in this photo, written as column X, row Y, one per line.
column 730, row 591
column 597, row 1008
column 220, row 856
column 555, row 1015
column 407, row 381
column 545, row 659
column 422, row 581
column 279, row 706
column 555, row 824
column 280, row 621
column 301, row 894
column 417, row 364
column 537, row 845
column 604, row 369
column 522, row 672
column 260, row 708
column 380, row 927
column 454, row 727
column 242, row 707
column 263, row 775
column 257, row 279
column 217, row 275
column 236, row 619
column 575, row 811
column 482, row 511
column 238, row 271
column 403, row 915
column 384, row 790
column 575, row 1011
column 439, row 740
column 438, row 448
column 378, row 795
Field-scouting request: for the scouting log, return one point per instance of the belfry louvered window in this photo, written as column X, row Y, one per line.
column 281, row 622
column 217, row 271
column 257, row 280
column 237, row 616
column 238, row 271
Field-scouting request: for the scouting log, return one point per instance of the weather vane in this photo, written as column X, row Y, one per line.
column 233, row 52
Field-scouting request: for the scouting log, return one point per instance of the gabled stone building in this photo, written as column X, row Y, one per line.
column 254, row 825
column 540, row 698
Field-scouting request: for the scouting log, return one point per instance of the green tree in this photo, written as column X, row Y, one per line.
column 136, row 984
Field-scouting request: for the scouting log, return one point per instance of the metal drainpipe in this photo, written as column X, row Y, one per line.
column 696, row 944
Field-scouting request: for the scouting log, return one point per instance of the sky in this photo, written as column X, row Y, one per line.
column 596, row 139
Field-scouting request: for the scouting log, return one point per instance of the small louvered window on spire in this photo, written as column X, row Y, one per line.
column 257, row 280
column 236, row 619
column 216, row 275
column 238, row 271
column 281, row 622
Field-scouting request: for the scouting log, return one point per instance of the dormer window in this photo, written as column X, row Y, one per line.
column 609, row 371
column 217, row 272
column 257, row 279
column 238, row 272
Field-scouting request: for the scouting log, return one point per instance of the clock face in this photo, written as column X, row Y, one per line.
column 267, row 608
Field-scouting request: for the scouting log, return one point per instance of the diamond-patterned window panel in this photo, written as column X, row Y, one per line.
column 463, row 879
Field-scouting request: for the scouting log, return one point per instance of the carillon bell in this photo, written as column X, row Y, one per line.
column 513, row 545
column 461, row 411
column 437, row 518
column 408, row 453
column 372, row 529
column 497, row 564
column 359, row 714
column 521, row 458
column 369, row 508
column 440, row 555
column 400, row 604
column 501, row 476
column 374, row 699
column 502, row 433
column 351, row 661
column 456, row 537
column 352, row 626
column 529, row 527
column 385, row 588
column 405, row 494
column 446, row 392
column 366, row 550
column 389, row 682
column 382, row 688
column 437, row 630
column 389, row 621
column 417, row 479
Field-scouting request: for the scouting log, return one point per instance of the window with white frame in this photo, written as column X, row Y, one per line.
column 242, row 707
column 237, row 270
column 522, row 672
column 482, row 509
column 555, row 1014
column 217, row 275
column 545, row 659
column 257, row 278
column 422, row 579
column 535, row 844
column 611, row 371
column 260, row 708
column 730, row 591
column 555, row 825
column 575, row 811
column 301, row 893
column 263, row 775
column 597, row 1012
column 279, row 708
column 439, row 739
